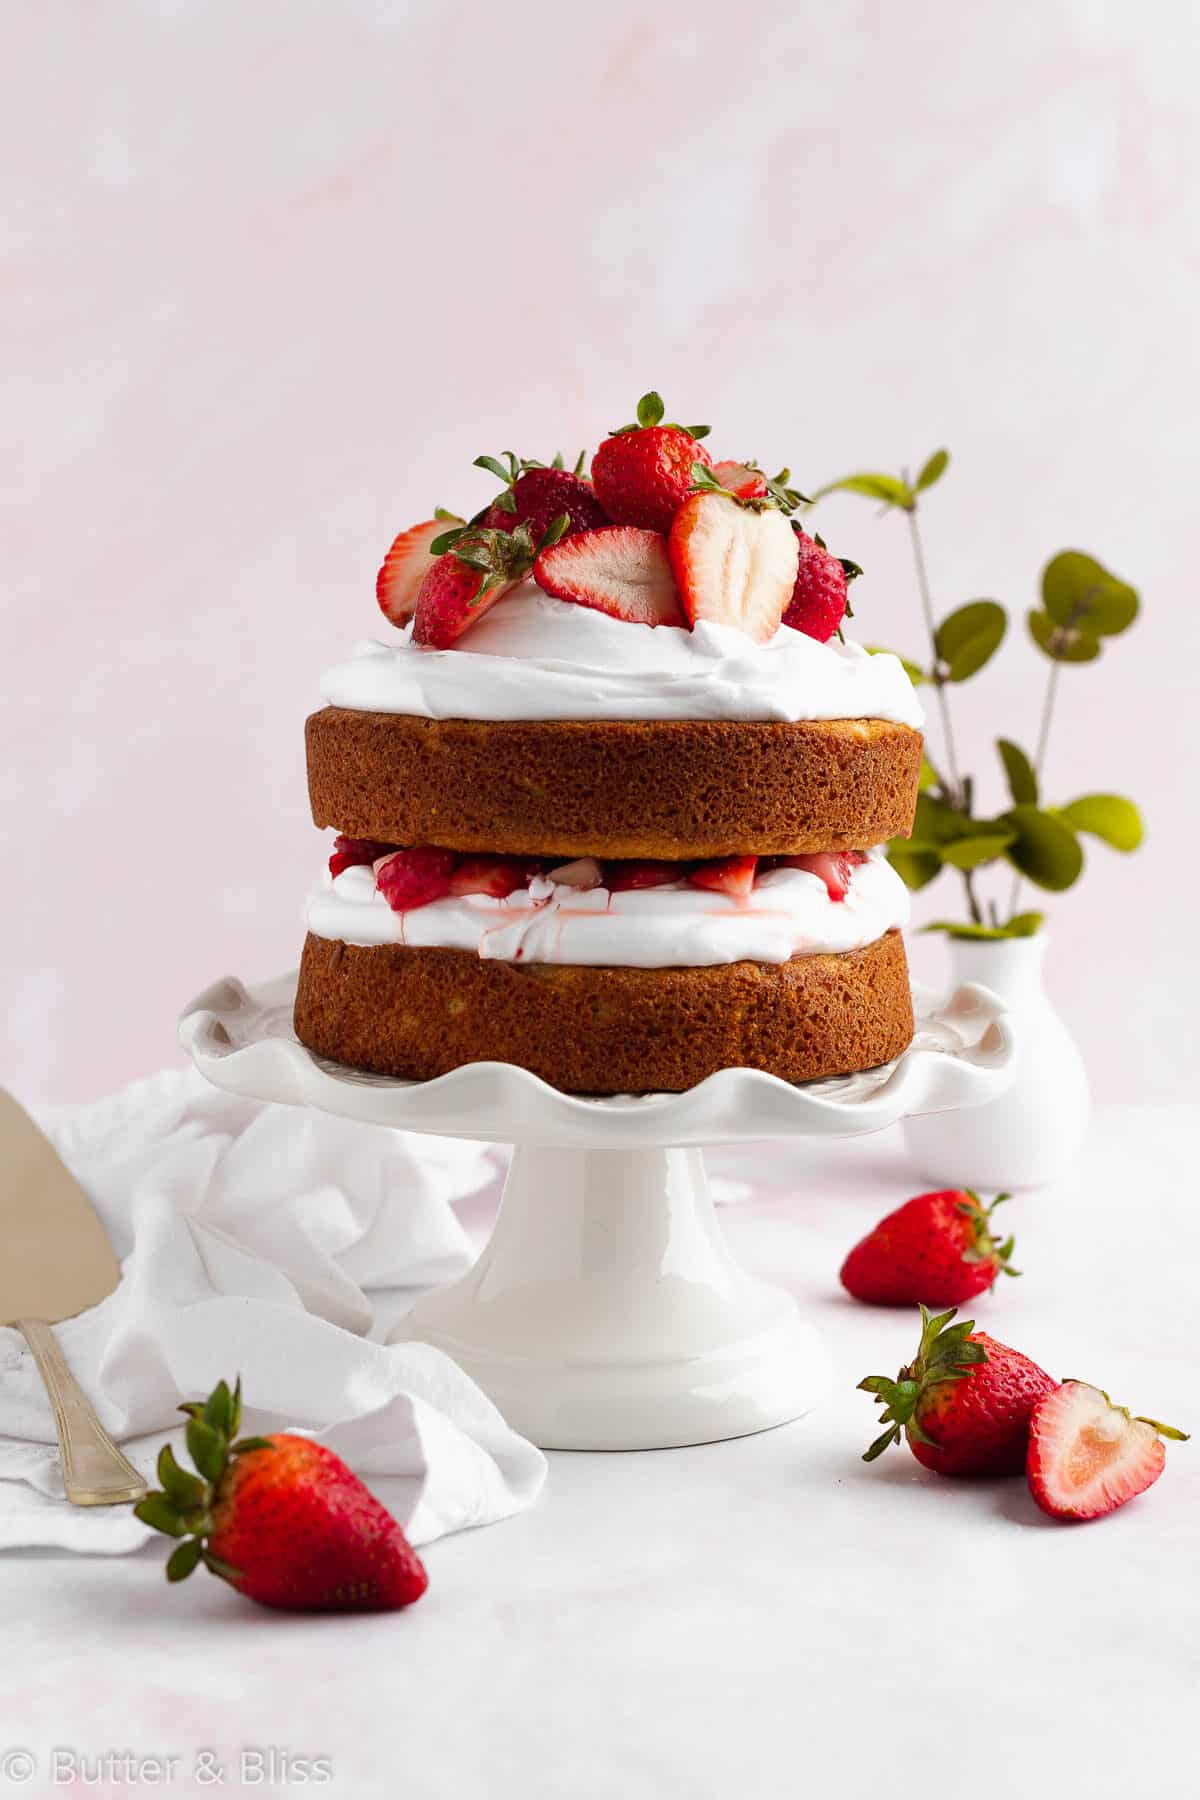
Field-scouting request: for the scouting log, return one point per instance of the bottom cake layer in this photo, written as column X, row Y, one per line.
column 392, row 1010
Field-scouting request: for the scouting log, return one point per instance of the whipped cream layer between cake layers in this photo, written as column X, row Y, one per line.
column 534, row 657
column 788, row 913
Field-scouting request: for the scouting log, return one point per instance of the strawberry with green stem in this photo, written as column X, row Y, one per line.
column 280, row 1518
column 474, row 567
column 534, row 494
column 964, row 1402
column 642, row 473
column 937, row 1248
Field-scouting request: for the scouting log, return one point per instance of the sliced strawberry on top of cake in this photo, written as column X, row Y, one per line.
column 734, row 563
column 621, row 570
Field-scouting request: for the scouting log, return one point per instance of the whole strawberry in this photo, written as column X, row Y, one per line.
column 819, row 599
column 937, row 1248
column 282, row 1519
column 535, row 495
column 642, row 473
column 964, row 1403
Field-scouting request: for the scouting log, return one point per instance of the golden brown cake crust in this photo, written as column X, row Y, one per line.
column 676, row 789
column 421, row 1012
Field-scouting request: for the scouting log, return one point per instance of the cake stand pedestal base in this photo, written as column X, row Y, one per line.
column 606, row 1312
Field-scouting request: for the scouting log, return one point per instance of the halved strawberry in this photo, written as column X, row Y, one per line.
column 741, row 480
column 621, row 877
column 497, row 876
column 477, row 568
column 1087, row 1457
column 352, row 853
column 733, row 564
column 410, row 878
column 733, row 875
column 405, row 567
column 835, row 868
column 618, row 569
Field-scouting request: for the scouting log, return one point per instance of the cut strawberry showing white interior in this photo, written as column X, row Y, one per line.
column 617, row 569
column 1087, row 1456
column 404, row 568
column 733, row 564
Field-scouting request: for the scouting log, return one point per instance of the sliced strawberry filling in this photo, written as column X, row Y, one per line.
column 413, row 877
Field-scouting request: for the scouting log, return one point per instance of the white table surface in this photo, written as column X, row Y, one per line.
column 766, row 1617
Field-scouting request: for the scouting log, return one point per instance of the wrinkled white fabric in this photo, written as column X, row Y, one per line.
column 251, row 1238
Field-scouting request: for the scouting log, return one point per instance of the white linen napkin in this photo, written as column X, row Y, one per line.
column 250, row 1237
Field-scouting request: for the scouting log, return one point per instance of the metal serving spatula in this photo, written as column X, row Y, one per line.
column 55, row 1261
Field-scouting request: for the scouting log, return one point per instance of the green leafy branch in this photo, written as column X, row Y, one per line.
column 1082, row 604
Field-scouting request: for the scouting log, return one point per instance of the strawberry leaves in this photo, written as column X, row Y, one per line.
column 944, row 1354
column 181, row 1507
column 651, row 411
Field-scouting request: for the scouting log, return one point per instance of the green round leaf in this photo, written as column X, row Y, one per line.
column 1072, row 644
column 933, row 471
column 1045, row 848
column 957, row 928
column 936, row 823
column 915, row 865
column 928, row 776
column 1019, row 771
column 970, row 852
column 970, row 637
column 1026, row 924
column 888, row 488
column 1107, row 816
column 1079, row 591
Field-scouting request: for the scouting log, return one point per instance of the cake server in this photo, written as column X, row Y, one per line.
column 56, row 1261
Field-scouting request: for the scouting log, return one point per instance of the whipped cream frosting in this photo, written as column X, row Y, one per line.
column 534, row 657
column 788, row 913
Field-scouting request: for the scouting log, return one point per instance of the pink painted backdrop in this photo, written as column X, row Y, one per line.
column 276, row 273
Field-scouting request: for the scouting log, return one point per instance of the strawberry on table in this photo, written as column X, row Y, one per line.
column 619, row 569
column 642, row 473
column 937, row 1248
column 964, row 1403
column 834, row 867
column 819, row 599
column 535, row 495
column 405, row 567
column 410, row 878
column 1087, row 1457
column 282, row 1519
column 734, row 562
column 732, row 875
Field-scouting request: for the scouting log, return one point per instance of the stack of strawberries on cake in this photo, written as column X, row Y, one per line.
column 613, row 804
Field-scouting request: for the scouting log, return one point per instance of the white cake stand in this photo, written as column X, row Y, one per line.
column 606, row 1312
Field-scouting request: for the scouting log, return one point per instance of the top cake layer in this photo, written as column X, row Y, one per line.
column 537, row 658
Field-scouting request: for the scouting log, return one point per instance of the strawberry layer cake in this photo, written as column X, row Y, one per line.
column 611, row 806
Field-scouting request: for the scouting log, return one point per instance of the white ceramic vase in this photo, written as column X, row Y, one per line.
column 1033, row 1133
